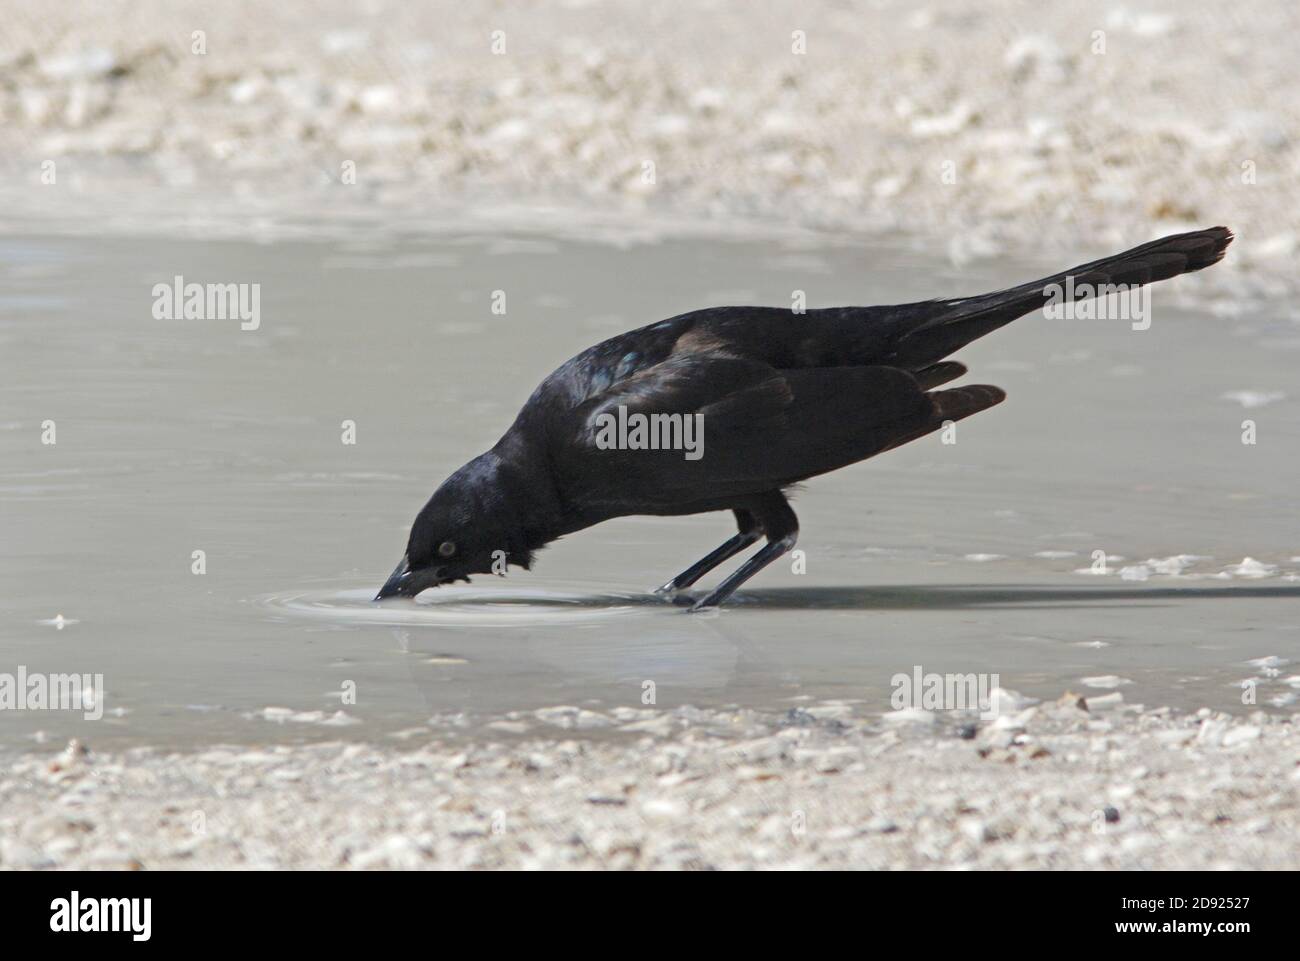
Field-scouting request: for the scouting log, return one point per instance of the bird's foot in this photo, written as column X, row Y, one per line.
column 676, row 596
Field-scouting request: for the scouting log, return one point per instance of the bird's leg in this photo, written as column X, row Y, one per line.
column 749, row 533
column 782, row 529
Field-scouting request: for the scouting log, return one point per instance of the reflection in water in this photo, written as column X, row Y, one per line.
column 467, row 607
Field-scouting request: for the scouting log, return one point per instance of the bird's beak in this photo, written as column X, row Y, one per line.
column 399, row 582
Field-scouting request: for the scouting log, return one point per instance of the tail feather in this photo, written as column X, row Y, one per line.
column 950, row 405
column 938, row 374
column 972, row 317
column 958, row 402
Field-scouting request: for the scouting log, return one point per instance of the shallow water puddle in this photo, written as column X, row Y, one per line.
column 202, row 535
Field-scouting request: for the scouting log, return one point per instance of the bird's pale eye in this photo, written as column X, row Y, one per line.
column 446, row 549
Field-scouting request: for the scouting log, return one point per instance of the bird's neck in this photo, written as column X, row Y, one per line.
column 524, row 501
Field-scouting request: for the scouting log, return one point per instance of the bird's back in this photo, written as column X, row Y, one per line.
column 910, row 336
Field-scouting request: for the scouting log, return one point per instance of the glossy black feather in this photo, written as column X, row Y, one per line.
column 782, row 397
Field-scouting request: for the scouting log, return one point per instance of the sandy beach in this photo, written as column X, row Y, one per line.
column 935, row 140
column 1045, row 786
column 975, row 131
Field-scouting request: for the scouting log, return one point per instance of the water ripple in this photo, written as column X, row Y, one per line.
column 463, row 606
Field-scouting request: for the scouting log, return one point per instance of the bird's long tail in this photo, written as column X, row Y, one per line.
column 972, row 317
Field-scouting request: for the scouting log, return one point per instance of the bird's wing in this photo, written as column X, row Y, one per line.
column 907, row 336
column 762, row 427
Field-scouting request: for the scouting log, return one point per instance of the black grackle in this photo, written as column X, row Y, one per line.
column 780, row 397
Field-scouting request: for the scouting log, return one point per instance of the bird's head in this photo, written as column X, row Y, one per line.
column 462, row 530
